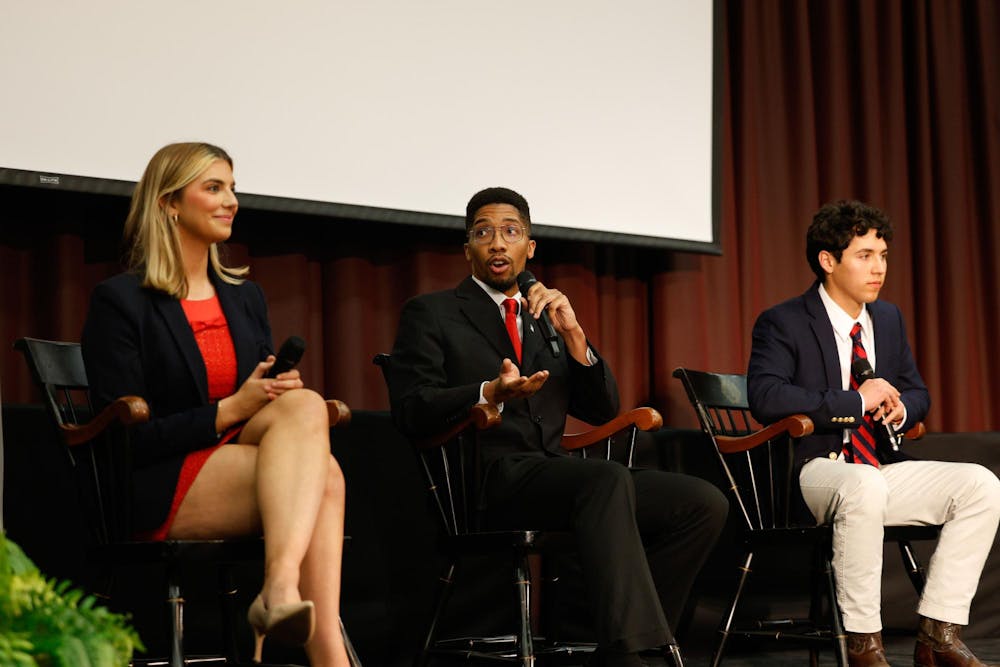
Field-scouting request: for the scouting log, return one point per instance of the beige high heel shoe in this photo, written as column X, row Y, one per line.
column 292, row 623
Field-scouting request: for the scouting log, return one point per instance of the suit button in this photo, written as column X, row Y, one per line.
column 538, row 420
column 833, row 456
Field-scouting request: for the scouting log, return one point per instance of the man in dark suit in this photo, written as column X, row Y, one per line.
column 805, row 359
column 482, row 343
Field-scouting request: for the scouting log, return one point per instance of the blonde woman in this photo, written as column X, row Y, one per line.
column 227, row 451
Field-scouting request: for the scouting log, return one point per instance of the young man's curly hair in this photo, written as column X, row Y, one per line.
column 836, row 224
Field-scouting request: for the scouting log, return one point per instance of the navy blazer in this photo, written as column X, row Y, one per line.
column 137, row 341
column 450, row 342
column 794, row 369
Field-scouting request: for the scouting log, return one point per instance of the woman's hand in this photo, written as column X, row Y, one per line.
column 279, row 384
column 255, row 392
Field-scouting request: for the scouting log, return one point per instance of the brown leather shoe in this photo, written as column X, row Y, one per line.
column 939, row 645
column 864, row 649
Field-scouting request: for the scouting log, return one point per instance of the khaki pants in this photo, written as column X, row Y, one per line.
column 859, row 500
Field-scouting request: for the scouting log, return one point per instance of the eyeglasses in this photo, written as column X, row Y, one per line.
column 483, row 234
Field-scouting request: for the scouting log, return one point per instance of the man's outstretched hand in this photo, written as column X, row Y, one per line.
column 511, row 384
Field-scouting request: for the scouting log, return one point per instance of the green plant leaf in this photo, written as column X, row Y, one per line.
column 50, row 623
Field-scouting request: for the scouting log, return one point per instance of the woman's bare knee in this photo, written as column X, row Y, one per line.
column 304, row 407
column 299, row 411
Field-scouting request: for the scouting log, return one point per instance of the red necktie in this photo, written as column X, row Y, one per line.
column 862, row 448
column 510, row 319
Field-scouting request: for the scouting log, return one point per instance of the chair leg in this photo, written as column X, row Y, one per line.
column 444, row 592
column 836, row 623
column 175, row 605
column 672, row 651
column 672, row 654
column 912, row 565
column 352, row 656
column 727, row 621
column 522, row 582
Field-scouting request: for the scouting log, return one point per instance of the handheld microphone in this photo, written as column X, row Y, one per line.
column 862, row 370
column 525, row 280
column 287, row 357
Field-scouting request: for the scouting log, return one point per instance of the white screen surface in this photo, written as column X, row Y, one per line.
column 600, row 113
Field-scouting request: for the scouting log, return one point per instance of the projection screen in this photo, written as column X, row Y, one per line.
column 603, row 114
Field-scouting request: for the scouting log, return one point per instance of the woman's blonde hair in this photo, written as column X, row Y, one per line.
column 154, row 250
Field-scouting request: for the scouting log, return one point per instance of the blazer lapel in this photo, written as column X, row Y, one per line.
column 484, row 316
column 173, row 315
column 819, row 322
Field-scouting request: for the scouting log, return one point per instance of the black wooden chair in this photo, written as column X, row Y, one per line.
column 450, row 462
column 98, row 449
column 757, row 464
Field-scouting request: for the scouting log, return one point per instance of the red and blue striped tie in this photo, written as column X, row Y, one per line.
column 862, row 447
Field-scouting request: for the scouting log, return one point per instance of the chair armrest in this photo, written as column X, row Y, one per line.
column 129, row 410
column 795, row 426
column 480, row 417
column 340, row 414
column 645, row 419
column 126, row 410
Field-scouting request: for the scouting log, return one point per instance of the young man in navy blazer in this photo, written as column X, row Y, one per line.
column 453, row 350
column 851, row 471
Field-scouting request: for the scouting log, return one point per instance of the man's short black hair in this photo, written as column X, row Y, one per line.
column 836, row 224
column 497, row 196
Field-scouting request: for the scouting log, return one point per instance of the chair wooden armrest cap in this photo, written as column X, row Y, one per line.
column 795, row 426
column 340, row 414
column 130, row 410
column 482, row 416
column 126, row 410
column 645, row 419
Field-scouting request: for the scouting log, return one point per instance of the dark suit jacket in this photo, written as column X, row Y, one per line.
column 794, row 369
column 137, row 341
column 450, row 342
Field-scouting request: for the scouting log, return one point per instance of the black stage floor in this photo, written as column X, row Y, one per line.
column 899, row 651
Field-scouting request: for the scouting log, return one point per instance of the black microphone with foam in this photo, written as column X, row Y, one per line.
column 862, row 370
column 525, row 280
column 288, row 356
